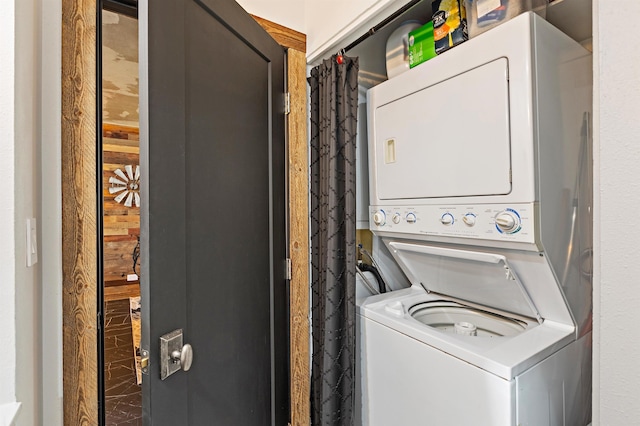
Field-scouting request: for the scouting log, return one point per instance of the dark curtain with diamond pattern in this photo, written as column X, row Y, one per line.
column 334, row 104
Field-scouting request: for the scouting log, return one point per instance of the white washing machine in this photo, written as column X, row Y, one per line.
column 480, row 188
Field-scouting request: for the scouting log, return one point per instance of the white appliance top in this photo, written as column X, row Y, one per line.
column 505, row 356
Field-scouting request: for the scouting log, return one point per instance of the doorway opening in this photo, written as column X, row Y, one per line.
column 121, row 367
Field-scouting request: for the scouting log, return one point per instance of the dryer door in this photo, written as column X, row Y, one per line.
column 448, row 140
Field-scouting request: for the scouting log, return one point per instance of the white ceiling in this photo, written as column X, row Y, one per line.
column 119, row 69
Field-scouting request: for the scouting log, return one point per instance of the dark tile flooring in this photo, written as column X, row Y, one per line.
column 123, row 396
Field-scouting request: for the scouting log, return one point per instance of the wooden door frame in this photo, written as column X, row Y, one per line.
column 80, row 221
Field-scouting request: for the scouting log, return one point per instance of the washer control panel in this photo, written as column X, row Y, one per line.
column 486, row 221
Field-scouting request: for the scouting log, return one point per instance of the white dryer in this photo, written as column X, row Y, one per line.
column 480, row 188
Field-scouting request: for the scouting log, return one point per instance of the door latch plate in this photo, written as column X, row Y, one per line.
column 168, row 343
column 144, row 361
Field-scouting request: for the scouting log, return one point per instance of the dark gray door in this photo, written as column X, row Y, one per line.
column 213, row 216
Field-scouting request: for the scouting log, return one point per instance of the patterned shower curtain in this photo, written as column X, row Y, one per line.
column 334, row 104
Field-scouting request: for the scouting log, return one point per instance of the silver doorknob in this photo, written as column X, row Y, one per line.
column 174, row 356
column 184, row 356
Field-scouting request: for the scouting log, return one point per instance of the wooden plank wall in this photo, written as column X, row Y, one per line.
column 121, row 147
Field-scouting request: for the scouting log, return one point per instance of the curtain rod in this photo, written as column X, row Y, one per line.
column 380, row 25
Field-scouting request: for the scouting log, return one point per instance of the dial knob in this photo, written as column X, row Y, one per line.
column 469, row 219
column 508, row 221
column 379, row 218
column 396, row 218
column 411, row 218
column 447, row 219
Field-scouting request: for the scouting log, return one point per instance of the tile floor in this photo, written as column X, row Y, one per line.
column 123, row 395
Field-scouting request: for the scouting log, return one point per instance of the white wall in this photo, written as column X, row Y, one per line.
column 51, row 214
column 20, row 308
column 289, row 13
column 27, row 205
column 333, row 24
column 7, row 207
column 617, row 199
column 328, row 20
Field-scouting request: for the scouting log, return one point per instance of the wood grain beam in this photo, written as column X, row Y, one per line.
column 299, row 239
column 79, row 218
column 300, row 368
column 286, row 37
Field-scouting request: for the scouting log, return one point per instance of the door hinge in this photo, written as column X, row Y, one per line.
column 287, row 103
column 288, row 271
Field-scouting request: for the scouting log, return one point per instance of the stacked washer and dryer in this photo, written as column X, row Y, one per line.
column 480, row 187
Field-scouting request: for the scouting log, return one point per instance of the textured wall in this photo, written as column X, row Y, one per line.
column 617, row 238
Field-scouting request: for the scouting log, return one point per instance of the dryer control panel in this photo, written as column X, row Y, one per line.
column 496, row 222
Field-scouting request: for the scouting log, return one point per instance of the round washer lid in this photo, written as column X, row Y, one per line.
column 484, row 279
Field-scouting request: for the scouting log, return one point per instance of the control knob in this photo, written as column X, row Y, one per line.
column 469, row 219
column 379, row 218
column 411, row 218
column 396, row 218
column 508, row 221
column 447, row 219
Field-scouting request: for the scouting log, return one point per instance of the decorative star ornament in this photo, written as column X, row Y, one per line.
column 126, row 185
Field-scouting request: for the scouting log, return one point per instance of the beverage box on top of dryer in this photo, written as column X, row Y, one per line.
column 421, row 45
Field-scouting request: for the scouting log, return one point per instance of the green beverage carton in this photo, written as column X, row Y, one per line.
column 421, row 45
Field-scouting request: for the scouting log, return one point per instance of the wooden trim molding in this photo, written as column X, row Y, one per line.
column 300, row 368
column 299, row 239
column 286, row 37
column 79, row 213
